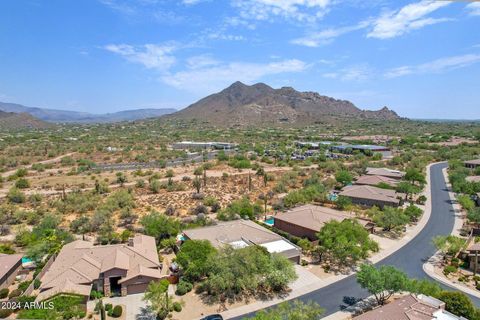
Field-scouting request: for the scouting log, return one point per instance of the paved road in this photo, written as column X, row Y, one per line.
column 409, row 258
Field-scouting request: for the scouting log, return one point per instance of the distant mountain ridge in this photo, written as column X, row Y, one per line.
column 260, row 104
column 65, row 116
column 11, row 120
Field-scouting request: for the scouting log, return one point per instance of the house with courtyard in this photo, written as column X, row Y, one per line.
column 115, row 270
column 385, row 172
column 370, row 196
column 410, row 307
column 306, row 221
column 244, row 233
column 10, row 264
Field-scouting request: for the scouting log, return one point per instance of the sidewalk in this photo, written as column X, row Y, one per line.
column 429, row 266
column 412, row 232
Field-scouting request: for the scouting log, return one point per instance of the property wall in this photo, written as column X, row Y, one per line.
column 295, row 230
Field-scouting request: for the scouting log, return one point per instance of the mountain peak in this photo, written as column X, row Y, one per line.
column 259, row 104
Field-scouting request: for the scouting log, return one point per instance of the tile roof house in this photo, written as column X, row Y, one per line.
column 411, row 307
column 374, row 180
column 305, row 221
column 385, row 172
column 10, row 264
column 119, row 269
column 243, row 233
column 371, row 196
column 472, row 164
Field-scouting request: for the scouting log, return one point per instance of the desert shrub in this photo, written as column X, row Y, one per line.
column 4, row 293
column 15, row 293
column 5, row 313
column 177, row 307
column 183, row 287
column 117, row 312
column 37, row 283
column 108, row 306
column 24, row 285
column 449, row 269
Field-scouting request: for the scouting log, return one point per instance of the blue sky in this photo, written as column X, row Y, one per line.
column 420, row 58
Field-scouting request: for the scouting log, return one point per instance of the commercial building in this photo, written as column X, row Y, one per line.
column 312, row 145
column 10, row 264
column 244, row 233
column 192, row 145
column 411, row 307
column 115, row 270
column 306, row 221
column 372, row 196
column 364, row 148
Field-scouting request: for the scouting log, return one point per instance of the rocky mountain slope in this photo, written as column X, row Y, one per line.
column 259, row 104
column 11, row 120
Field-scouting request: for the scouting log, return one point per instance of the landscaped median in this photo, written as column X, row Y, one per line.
column 387, row 248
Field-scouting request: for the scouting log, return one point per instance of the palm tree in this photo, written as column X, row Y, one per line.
column 157, row 295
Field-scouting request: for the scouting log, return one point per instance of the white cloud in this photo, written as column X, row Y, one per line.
column 474, row 8
column 352, row 73
column 215, row 77
column 435, row 66
column 265, row 10
column 151, row 56
column 410, row 17
column 201, row 61
column 326, row 36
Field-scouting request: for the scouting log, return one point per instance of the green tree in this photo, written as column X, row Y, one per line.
column 414, row 175
column 449, row 245
column 346, row 241
column 344, row 177
column 474, row 216
column 407, row 188
column 458, row 303
column 413, row 212
column 466, row 202
column 159, row 225
column 193, row 258
column 343, row 202
column 391, row 219
column 157, row 295
column 296, row 310
column 382, row 282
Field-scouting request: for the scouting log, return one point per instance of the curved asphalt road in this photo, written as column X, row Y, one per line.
column 410, row 258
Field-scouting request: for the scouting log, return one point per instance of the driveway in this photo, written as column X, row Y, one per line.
column 409, row 258
column 135, row 307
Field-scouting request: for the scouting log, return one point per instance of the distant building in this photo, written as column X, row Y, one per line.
column 364, row 148
column 386, row 172
column 371, row 196
column 312, row 145
column 306, row 221
column 472, row 164
column 371, row 180
column 411, row 307
column 191, row 145
column 10, row 264
column 119, row 269
column 244, row 233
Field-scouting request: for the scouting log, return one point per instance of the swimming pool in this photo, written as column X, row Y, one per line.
column 270, row 221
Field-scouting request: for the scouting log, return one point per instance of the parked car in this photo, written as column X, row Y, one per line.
column 213, row 317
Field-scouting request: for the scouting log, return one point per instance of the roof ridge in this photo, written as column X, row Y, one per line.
column 140, row 254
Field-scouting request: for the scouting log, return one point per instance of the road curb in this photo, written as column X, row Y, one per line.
column 429, row 266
